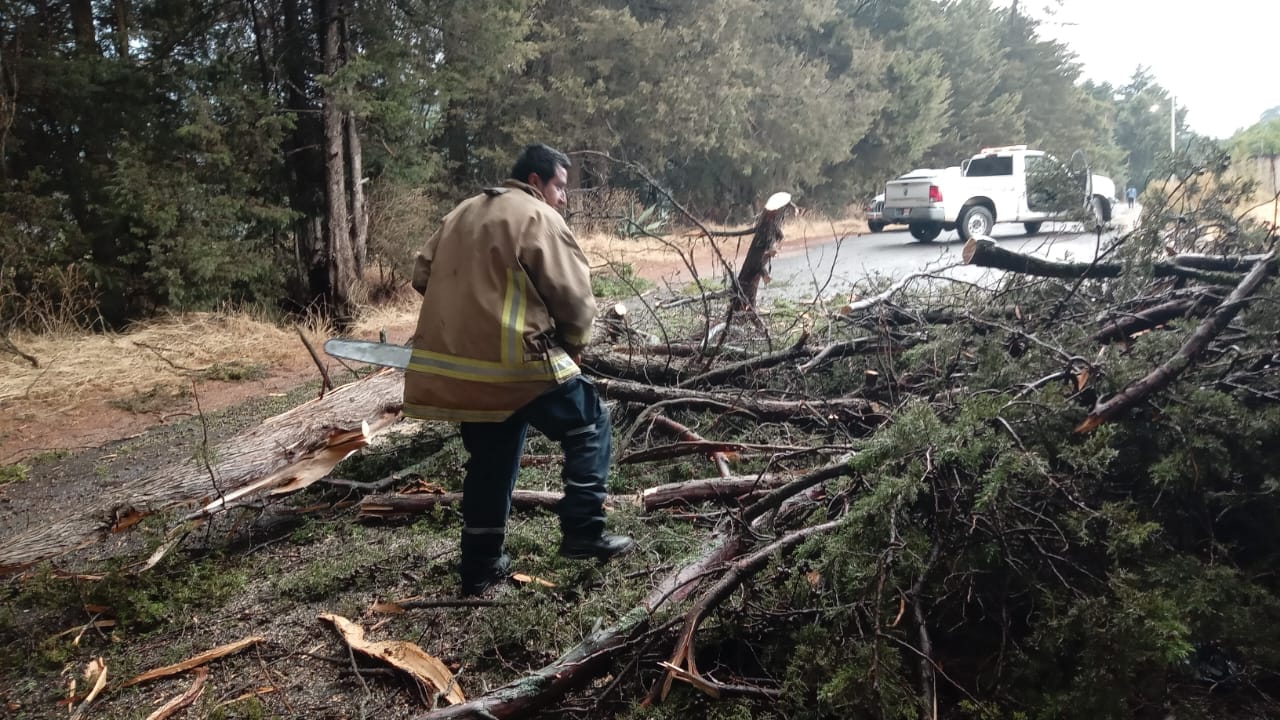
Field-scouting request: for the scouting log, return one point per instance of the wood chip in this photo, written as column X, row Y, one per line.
column 387, row 608
column 97, row 668
column 194, row 662
column 128, row 520
column 401, row 655
column 525, row 579
column 173, row 706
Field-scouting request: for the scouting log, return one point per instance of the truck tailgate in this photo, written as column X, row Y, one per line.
column 907, row 193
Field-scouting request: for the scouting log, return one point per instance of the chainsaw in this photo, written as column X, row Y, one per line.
column 368, row 351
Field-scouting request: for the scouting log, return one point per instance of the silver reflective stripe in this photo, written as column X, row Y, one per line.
column 571, row 483
column 464, row 370
column 484, row 531
column 560, row 368
column 581, row 431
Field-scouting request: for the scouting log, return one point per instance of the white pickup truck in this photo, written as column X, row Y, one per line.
column 990, row 187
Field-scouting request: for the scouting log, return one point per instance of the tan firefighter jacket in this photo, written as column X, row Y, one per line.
column 506, row 301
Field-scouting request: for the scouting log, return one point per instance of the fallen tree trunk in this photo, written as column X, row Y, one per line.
column 1169, row 370
column 1219, row 263
column 983, row 252
column 857, row 346
column 282, row 454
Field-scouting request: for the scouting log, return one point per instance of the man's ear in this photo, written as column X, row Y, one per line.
column 534, row 180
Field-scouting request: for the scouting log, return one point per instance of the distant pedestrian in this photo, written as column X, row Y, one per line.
column 1131, row 194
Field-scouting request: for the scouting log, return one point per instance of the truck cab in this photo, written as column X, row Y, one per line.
column 991, row 187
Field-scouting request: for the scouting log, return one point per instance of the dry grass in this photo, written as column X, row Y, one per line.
column 168, row 351
column 808, row 225
column 397, row 317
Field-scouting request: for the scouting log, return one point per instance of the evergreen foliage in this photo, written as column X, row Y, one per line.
column 181, row 155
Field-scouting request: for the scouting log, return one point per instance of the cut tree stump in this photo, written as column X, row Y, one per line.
column 764, row 245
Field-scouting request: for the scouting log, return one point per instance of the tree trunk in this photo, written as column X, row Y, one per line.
column 82, row 26
column 355, row 165
column 689, row 492
column 985, row 253
column 763, row 247
column 8, row 106
column 359, row 211
column 302, row 159
column 122, row 29
column 642, row 368
column 282, row 454
column 260, row 45
column 339, row 255
column 456, row 145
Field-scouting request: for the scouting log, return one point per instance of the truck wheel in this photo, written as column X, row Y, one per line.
column 875, row 227
column 925, row 232
column 974, row 220
column 1032, row 227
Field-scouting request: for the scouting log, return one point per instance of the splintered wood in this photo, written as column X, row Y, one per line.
column 404, row 656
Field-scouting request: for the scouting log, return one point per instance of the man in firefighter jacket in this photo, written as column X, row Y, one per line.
column 506, row 310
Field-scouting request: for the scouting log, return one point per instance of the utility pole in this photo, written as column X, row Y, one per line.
column 1173, row 122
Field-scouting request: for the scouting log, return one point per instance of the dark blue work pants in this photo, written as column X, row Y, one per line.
column 571, row 414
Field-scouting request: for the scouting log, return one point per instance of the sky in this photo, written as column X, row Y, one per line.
column 1221, row 59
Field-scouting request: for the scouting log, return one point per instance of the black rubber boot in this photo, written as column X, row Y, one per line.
column 478, row 577
column 484, row 564
column 600, row 547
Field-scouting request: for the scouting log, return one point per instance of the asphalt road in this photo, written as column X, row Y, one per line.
column 835, row 265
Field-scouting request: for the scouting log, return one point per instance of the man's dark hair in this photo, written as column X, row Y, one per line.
column 540, row 159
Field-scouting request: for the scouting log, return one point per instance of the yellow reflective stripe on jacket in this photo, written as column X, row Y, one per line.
column 430, row 412
column 556, row 366
column 513, row 307
column 562, row 365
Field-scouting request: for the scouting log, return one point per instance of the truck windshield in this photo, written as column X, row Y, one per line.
column 990, row 166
